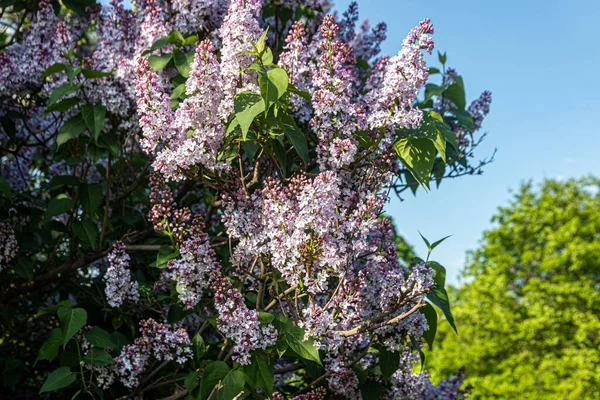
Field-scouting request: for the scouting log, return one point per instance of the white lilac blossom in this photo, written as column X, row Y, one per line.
column 238, row 323
column 119, row 286
column 239, row 30
column 8, row 245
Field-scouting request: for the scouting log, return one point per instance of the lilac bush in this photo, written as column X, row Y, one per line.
column 217, row 172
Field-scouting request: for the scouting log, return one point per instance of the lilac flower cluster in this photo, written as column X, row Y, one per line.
column 23, row 63
column 335, row 114
column 317, row 394
column 158, row 341
column 296, row 61
column 194, row 133
column 239, row 30
column 8, row 245
column 393, row 92
column 238, row 323
column 192, row 270
column 164, row 214
column 119, row 286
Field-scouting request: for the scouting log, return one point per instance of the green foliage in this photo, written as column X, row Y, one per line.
column 530, row 312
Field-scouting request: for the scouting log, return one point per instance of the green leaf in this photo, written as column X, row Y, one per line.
column 260, row 372
column 431, row 316
column 415, row 345
column 388, row 362
column 371, row 390
column 267, row 57
column 436, row 243
column 178, row 91
column 425, row 240
column 61, row 91
column 72, row 72
column 58, row 379
column 165, row 254
column 433, row 71
column 109, row 142
column 175, row 37
column 418, row 155
column 90, row 196
column 439, row 297
column 94, row 118
column 72, row 320
column 464, row 118
column 233, row 385
column 442, row 57
column 198, row 347
column 190, row 380
column 273, row 85
column 25, row 267
column 213, row 374
column 160, row 42
column 70, row 129
column 305, row 349
column 247, row 106
column 295, row 135
column 193, row 39
column 49, row 349
column 159, row 62
column 92, row 74
column 62, row 105
column 302, row 93
column 98, row 337
column 97, row 356
column 87, row 231
column 5, row 188
column 119, row 340
column 433, row 90
column 182, row 62
column 57, row 206
column 440, row 273
column 456, row 93
column 53, row 69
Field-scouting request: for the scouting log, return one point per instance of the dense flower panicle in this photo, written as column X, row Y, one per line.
column 390, row 103
column 480, row 108
column 154, row 108
column 335, row 115
column 295, row 58
column 239, row 30
column 367, row 42
column 192, row 270
column 119, row 286
column 197, row 15
column 158, row 341
column 9, row 247
column 154, row 23
column 238, row 323
column 164, row 214
column 198, row 116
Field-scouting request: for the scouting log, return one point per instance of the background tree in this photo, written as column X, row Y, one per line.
column 529, row 316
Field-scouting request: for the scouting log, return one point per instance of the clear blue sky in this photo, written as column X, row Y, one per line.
column 540, row 59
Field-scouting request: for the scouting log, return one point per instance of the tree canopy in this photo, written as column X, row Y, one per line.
column 529, row 314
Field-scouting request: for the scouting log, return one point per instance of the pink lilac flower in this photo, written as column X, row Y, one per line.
column 238, row 323
column 158, row 341
column 390, row 103
column 119, row 286
column 192, row 270
column 295, row 59
column 335, row 114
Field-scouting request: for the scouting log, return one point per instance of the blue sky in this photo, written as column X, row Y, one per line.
column 539, row 58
